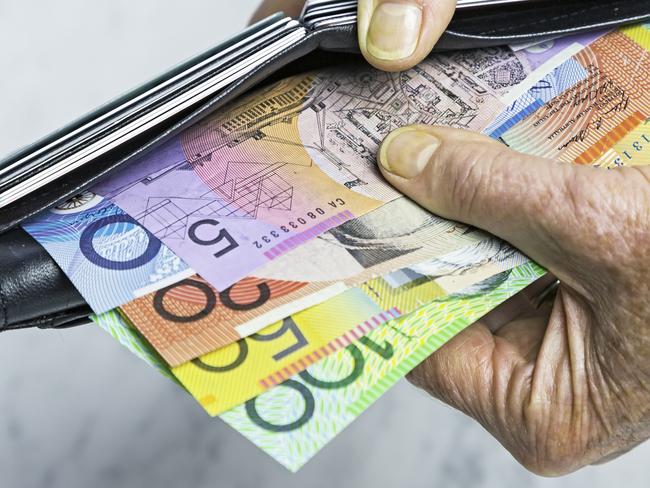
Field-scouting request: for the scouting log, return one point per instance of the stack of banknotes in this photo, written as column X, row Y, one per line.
column 259, row 259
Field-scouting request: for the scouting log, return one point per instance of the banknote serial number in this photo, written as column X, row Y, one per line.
column 637, row 148
column 296, row 224
column 223, row 242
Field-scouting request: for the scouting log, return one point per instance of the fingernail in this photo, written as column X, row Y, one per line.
column 394, row 30
column 406, row 151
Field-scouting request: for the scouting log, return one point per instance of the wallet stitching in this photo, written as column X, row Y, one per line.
column 543, row 21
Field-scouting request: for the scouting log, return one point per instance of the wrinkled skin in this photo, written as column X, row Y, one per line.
column 567, row 383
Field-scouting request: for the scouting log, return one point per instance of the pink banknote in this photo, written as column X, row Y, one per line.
column 290, row 162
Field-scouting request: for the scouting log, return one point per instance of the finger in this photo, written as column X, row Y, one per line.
column 464, row 176
column 269, row 7
column 479, row 373
column 395, row 35
column 487, row 376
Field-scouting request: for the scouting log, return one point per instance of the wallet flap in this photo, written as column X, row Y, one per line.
column 485, row 24
column 34, row 292
column 547, row 20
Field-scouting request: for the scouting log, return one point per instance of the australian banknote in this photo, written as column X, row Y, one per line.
column 601, row 117
column 110, row 257
column 229, row 376
column 286, row 164
column 190, row 318
column 543, row 57
column 293, row 421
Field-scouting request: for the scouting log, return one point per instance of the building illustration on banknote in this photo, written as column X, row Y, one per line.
column 334, row 119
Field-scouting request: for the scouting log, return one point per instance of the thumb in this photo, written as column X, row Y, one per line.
column 460, row 175
column 395, row 35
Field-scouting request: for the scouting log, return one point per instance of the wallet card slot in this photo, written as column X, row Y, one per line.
column 112, row 125
column 98, row 112
column 155, row 112
column 223, row 60
column 75, row 139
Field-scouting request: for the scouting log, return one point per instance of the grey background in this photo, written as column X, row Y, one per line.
column 78, row 410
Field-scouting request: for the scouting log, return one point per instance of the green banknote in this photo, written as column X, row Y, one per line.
column 293, row 421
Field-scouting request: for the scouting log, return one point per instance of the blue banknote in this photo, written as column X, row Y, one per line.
column 107, row 255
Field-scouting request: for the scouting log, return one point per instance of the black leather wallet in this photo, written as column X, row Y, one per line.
column 34, row 292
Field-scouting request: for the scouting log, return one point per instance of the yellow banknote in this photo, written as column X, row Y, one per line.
column 231, row 375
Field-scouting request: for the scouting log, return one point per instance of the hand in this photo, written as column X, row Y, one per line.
column 394, row 35
column 565, row 384
column 568, row 384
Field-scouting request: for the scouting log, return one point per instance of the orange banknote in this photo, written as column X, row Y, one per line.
column 190, row 317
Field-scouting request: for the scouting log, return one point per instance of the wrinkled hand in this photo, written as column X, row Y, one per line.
column 565, row 384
